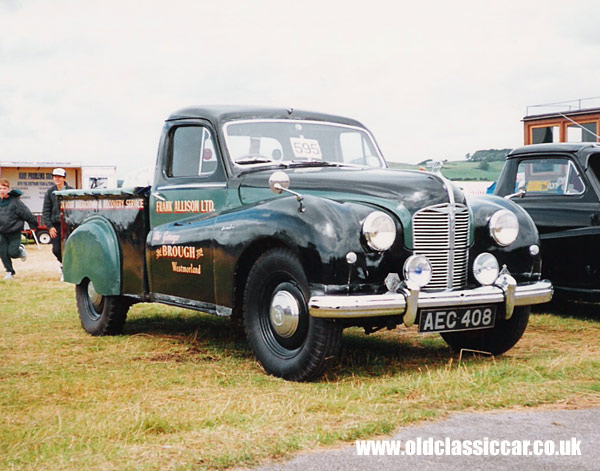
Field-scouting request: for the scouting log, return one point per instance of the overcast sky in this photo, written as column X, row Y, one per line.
column 92, row 81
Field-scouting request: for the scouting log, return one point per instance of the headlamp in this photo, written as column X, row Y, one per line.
column 379, row 230
column 417, row 269
column 485, row 269
column 504, row 227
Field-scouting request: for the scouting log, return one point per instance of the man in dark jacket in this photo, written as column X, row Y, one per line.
column 51, row 210
column 13, row 213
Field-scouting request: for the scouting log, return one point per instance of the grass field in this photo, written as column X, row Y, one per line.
column 181, row 391
column 462, row 170
column 471, row 171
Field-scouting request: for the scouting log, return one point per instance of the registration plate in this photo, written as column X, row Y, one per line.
column 460, row 318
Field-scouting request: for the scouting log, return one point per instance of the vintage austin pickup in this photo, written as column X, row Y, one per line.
column 291, row 221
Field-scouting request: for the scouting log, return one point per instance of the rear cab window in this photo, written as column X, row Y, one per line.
column 549, row 176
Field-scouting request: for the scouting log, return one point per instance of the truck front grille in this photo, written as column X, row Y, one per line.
column 441, row 233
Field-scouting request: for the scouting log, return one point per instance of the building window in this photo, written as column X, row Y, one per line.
column 545, row 134
column 585, row 132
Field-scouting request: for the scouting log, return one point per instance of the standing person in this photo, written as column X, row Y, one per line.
column 13, row 213
column 51, row 211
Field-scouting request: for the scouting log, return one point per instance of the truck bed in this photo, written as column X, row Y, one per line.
column 126, row 209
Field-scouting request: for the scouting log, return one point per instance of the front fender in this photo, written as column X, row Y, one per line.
column 516, row 256
column 321, row 236
column 318, row 235
column 92, row 251
column 483, row 207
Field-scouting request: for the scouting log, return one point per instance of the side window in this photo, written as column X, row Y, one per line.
column 554, row 176
column 594, row 164
column 192, row 152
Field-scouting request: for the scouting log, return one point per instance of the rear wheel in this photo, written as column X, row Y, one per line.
column 285, row 339
column 100, row 315
column 497, row 340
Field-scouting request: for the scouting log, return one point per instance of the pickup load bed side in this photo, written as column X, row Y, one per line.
column 110, row 247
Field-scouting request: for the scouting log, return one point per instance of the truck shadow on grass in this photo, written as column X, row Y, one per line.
column 196, row 332
column 392, row 352
column 565, row 308
column 382, row 354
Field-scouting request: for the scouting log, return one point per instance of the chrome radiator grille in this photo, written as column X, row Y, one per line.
column 441, row 233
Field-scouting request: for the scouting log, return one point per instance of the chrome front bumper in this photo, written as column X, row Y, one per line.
column 409, row 299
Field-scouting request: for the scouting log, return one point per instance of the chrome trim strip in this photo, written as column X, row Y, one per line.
column 394, row 304
column 191, row 185
column 191, row 304
column 451, row 233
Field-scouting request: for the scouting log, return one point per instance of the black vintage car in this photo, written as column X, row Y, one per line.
column 292, row 221
column 559, row 186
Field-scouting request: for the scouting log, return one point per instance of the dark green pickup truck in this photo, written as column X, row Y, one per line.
column 291, row 221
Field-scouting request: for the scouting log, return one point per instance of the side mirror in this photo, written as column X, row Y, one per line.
column 522, row 191
column 278, row 182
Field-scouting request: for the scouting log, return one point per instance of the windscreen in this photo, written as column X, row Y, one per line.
column 268, row 141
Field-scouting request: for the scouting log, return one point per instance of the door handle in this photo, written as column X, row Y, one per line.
column 158, row 196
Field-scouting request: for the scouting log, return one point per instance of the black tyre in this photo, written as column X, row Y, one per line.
column 497, row 340
column 285, row 339
column 100, row 315
column 43, row 237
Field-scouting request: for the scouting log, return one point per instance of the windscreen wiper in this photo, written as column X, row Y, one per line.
column 268, row 163
column 255, row 159
column 321, row 163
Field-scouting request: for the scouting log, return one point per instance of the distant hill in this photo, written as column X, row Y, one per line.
column 472, row 171
column 461, row 170
column 488, row 155
column 482, row 165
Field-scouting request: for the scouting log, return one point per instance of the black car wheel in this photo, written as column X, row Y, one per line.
column 497, row 340
column 100, row 315
column 285, row 339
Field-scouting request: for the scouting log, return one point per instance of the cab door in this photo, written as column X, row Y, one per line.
column 564, row 206
column 188, row 193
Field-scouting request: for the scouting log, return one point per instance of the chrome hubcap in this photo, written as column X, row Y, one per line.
column 284, row 314
column 95, row 298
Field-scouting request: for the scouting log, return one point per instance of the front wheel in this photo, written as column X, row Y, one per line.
column 285, row 339
column 497, row 340
column 100, row 315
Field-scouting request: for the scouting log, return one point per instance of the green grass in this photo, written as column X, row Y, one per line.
column 181, row 391
column 471, row 171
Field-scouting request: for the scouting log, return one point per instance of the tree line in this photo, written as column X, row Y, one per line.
column 488, row 155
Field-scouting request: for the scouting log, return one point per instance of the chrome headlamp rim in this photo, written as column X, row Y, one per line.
column 500, row 227
column 379, row 231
